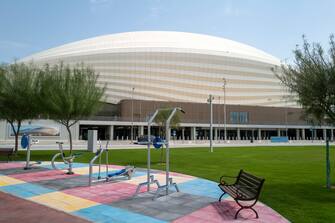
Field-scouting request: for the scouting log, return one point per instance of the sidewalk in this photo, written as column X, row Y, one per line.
column 82, row 145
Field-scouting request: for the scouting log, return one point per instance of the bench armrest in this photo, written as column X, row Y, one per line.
column 222, row 182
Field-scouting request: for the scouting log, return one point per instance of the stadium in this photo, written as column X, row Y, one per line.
column 151, row 69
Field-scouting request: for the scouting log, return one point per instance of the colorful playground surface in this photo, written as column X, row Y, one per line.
column 114, row 201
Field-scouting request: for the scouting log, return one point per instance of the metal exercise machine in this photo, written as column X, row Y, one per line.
column 150, row 178
column 26, row 143
column 68, row 160
column 127, row 172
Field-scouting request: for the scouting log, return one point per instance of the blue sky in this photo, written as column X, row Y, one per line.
column 275, row 26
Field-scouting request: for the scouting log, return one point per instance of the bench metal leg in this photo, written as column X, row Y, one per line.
column 222, row 196
column 254, row 211
column 246, row 207
column 238, row 212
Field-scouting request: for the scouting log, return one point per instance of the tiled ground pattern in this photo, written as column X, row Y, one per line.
column 113, row 201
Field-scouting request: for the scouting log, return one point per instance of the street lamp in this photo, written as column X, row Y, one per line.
column 219, row 119
column 224, row 108
column 210, row 101
column 132, row 115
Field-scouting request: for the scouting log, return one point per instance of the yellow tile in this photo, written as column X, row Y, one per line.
column 160, row 178
column 5, row 181
column 85, row 170
column 62, row 201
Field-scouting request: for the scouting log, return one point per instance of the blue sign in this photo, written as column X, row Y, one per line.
column 24, row 141
column 279, row 139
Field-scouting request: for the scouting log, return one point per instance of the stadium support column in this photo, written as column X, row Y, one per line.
column 193, row 133
column 238, row 134
column 111, row 132
column 297, row 134
column 259, row 134
column 141, row 130
column 324, row 134
column 278, row 132
column 215, row 134
column 183, row 133
column 303, row 134
column 332, row 134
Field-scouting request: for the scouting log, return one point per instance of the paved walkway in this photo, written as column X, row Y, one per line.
column 14, row 209
column 114, row 201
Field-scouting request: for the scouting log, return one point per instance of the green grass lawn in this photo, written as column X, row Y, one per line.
column 295, row 176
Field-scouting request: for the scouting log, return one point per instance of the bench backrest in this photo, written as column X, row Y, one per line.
column 249, row 183
column 7, row 151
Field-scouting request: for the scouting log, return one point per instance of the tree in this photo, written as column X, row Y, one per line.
column 69, row 94
column 311, row 79
column 18, row 95
column 160, row 120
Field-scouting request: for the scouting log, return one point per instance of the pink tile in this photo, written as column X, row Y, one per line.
column 116, row 167
column 180, row 175
column 104, row 192
column 225, row 212
column 11, row 165
column 42, row 175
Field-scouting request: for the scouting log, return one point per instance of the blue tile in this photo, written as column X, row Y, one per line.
column 25, row 190
column 105, row 213
column 139, row 174
column 64, row 166
column 201, row 187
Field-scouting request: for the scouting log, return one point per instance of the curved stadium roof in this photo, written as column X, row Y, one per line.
column 172, row 41
column 174, row 66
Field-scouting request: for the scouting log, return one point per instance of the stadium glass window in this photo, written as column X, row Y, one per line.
column 243, row 117
column 239, row 117
column 234, row 117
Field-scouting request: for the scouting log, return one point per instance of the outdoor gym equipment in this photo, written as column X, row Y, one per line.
column 127, row 172
column 26, row 142
column 68, row 160
column 158, row 142
column 150, row 178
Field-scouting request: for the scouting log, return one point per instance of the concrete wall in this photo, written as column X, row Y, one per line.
column 5, row 130
column 199, row 112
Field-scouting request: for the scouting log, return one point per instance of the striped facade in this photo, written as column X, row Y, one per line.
column 175, row 66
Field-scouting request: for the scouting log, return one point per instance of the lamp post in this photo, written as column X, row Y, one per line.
column 132, row 115
column 286, row 130
column 210, row 101
column 219, row 119
column 224, row 108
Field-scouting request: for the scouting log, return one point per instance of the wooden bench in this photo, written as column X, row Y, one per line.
column 247, row 187
column 7, row 152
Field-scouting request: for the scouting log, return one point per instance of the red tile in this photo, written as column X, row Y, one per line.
column 11, row 165
column 43, row 175
column 225, row 212
column 104, row 192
